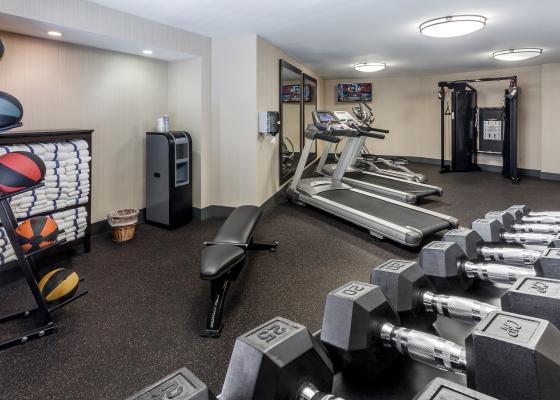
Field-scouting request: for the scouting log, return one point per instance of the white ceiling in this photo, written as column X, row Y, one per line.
column 331, row 35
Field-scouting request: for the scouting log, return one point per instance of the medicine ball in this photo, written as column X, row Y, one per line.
column 11, row 112
column 19, row 170
column 36, row 233
column 58, row 285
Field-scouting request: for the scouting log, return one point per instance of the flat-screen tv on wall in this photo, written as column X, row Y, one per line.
column 292, row 93
column 354, row 91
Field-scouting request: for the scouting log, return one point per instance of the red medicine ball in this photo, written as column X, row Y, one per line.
column 19, row 170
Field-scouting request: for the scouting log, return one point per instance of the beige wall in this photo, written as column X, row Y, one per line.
column 185, row 110
column 409, row 107
column 268, row 58
column 550, row 117
column 234, row 121
column 118, row 95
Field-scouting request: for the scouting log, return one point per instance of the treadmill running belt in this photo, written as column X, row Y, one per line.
column 390, row 183
column 397, row 214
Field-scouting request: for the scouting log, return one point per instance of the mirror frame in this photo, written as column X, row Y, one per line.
column 284, row 64
column 312, row 156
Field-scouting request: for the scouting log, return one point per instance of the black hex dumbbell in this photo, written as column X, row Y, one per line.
column 447, row 265
column 492, row 230
column 442, row 389
column 476, row 249
column 279, row 360
column 181, row 384
column 524, row 214
column 508, row 356
column 512, row 221
column 412, row 294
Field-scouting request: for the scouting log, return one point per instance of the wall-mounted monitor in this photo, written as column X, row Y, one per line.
column 354, row 92
column 292, row 93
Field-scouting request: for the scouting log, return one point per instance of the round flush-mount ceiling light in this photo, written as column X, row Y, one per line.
column 369, row 67
column 54, row 33
column 147, row 52
column 517, row 54
column 452, row 26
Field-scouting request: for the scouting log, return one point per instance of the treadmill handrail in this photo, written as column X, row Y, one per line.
column 378, row 130
column 368, row 131
column 326, row 137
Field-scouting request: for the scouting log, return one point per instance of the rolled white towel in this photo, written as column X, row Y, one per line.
column 77, row 160
column 75, row 145
column 77, row 167
column 54, row 164
column 55, row 184
column 56, row 178
column 55, row 171
column 80, row 200
column 75, row 178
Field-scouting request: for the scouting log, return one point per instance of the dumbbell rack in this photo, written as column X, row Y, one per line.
column 27, row 265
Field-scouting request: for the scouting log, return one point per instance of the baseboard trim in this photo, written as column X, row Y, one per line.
column 532, row 173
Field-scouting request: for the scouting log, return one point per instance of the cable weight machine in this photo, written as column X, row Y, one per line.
column 477, row 130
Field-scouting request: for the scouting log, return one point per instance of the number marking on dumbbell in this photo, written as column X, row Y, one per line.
column 549, row 287
column 352, row 290
column 272, row 333
column 395, row 265
column 504, row 325
column 177, row 387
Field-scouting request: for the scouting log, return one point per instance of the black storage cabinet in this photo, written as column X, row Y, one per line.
column 168, row 178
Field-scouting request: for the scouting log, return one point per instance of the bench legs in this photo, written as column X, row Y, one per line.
column 270, row 246
column 218, row 290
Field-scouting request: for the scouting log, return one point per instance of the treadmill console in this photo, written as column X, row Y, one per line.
column 343, row 116
column 325, row 120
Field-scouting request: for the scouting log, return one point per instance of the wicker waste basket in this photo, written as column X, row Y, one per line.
column 123, row 223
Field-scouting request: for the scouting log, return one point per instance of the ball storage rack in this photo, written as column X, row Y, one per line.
column 26, row 263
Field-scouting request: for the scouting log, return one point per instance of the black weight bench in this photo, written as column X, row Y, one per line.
column 224, row 257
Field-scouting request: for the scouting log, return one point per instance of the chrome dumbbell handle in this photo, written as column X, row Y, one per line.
column 528, row 238
column 536, row 228
column 510, row 255
column 310, row 392
column 425, row 348
column 541, row 219
column 458, row 308
column 496, row 273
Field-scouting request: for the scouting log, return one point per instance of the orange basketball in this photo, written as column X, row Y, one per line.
column 36, row 233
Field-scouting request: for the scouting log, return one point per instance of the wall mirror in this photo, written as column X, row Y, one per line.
column 309, row 105
column 298, row 98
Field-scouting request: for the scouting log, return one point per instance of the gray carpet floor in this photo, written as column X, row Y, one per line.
column 146, row 303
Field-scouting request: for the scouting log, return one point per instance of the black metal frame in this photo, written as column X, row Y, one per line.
column 220, row 285
column 27, row 266
column 284, row 177
column 510, row 169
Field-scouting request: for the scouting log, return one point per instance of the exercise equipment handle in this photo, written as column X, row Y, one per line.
column 458, row 308
column 379, row 130
column 496, row 273
column 536, row 228
column 541, row 219
column 510, row 255
column 425, row 348
column 326, row 137
column 528, row 238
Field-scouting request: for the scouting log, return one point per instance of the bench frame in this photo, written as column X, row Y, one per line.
column 220, row 286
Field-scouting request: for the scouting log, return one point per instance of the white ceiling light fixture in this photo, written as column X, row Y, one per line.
column 369, row 67
column 147, row 52
column 517, row 54
column 452, row 25
column 54, row 33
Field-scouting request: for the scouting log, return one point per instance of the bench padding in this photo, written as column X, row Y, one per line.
column 239, row 226
column 219, row 259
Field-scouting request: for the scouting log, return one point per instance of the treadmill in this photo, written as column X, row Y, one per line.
column 383, row 217
column 378, row 183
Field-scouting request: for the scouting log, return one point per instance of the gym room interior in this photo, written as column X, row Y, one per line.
column 279, row 200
